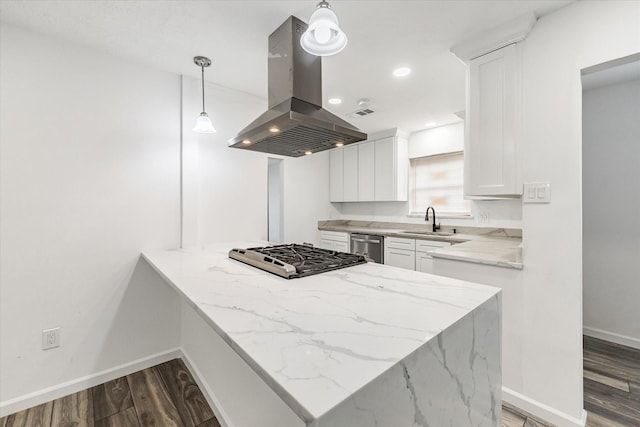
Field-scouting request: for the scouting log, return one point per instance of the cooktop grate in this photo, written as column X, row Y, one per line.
column 295, row 260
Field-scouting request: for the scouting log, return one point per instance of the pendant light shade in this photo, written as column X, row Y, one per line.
column 203, row 122
column 324, row 36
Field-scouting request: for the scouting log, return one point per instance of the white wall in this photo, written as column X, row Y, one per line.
column 231, row 183
column 610, row 209
column 276, row 200
column 225, row 189
column 306, row 192
column 561, row 44
column 89, row 178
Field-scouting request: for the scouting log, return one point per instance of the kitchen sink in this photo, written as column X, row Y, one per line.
column 427, row 233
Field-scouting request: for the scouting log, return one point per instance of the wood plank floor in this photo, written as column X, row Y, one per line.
column 167, row 395
column 611, row 384
column 163, row 396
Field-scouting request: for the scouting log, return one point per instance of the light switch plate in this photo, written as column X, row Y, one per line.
column 537, row 192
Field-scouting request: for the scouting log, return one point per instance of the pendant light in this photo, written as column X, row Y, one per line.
column 324, row 36
column 203, row 123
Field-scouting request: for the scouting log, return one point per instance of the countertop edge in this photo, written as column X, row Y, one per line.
column 463, row 258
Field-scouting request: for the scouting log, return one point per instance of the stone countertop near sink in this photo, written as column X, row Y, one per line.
column 500, row 247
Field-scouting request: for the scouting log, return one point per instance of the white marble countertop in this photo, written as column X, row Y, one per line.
column 316, row 340
column 490, row 246
column 497, row 252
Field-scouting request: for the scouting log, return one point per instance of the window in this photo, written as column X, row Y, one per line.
column 438, row 181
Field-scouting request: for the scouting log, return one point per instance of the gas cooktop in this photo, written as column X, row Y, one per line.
column 293, row 260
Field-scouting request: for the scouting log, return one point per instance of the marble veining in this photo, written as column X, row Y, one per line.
column 501, row 253
column 327, row 343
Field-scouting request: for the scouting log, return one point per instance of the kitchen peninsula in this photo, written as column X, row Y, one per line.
column 367, row 345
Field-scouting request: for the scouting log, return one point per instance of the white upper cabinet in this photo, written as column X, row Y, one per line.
column 336, row 176
column 366, row 171
column 392, row 169
column 494, row 108
column 373, row 170
column 350, row 173
column 491, row 131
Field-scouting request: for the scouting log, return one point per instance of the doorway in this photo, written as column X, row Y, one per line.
column 611, row 240
column 611, row 200
column 275, row 202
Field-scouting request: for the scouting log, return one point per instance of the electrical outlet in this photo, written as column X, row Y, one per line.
column 484, row 216
column 50, row 338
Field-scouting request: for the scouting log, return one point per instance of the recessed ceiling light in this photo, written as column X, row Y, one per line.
column 402, row 72
column 246, row 141
column 274, row 129
column 335, row 101
column 339, row 144
column 430, row 124
column 308, row 153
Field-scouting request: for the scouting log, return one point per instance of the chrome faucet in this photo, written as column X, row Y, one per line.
column 426, row 218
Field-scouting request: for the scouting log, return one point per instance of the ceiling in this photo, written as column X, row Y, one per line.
column 383, row 35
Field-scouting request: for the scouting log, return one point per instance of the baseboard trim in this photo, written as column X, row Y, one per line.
column 209, row 395
column 541, row 410
column 39, row 397
column 612, row 337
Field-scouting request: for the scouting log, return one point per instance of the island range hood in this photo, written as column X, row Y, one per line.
column 295, row 123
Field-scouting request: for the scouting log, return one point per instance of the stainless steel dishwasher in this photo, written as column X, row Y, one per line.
column 369, row 245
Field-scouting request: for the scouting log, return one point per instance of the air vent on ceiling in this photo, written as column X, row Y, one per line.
column 362, row 112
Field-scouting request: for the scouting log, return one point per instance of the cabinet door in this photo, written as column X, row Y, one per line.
column 336, row 175
column 400, row 258
column 385, row 169
column 350, row 174
column 491, row 157
column 366, row 171
column 424, row 262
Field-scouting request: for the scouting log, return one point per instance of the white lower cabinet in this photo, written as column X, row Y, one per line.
column 334, row 241
column 424, row 260
column 341, row 246
column 400, row 252
column 411, row 254
column 400, row 258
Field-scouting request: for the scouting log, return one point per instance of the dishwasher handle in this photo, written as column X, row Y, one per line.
column 364, row 241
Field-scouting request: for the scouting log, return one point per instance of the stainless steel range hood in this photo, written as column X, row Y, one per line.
column 295, row 123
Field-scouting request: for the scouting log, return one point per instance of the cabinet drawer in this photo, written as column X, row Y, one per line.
column 400, row 243
column 429, row 245
column 400, row 258
column 338, row 236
